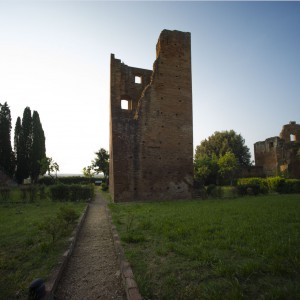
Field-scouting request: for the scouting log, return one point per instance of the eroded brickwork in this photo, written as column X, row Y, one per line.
column 280, row 154
column 151, row 142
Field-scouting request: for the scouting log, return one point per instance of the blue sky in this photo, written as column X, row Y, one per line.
column 55, row 56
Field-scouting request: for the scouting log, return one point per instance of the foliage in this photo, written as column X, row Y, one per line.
column 4, row 193
column 62, row 192
column 206, row 168
column 27, row 252
column 7, row 159
column 252, row 186
column 24, row 146
column 59, row 192
column 104, row 186
column 51, row 226
column 221, row 249
column 228, row 165
column 38, row 148
column 101, row 162
column 48, row 165
column 89, row 173
column 29, row 146
column 221, row 142
column 223, row 146
column 68, row 215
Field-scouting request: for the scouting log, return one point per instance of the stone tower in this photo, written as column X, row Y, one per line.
column 281, row 154
column 151, row 126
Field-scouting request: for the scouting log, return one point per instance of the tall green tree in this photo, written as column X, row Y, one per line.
column 214, row 157
column 7, row 161
column 101, row 162
column 206, row 168
column 24, row 147
column 223, row 141
column 17, row 148
column 38, row 148
column 228, row 166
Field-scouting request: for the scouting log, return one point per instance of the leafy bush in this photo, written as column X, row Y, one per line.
column 252, row 186
column 277, row 184
column 52, row 227
column 59, row 192
column 68, row 215
column 293, row 185
column 104, row 186
column 4, row 193
column 214, row 191
column 74, row 192
column 47, row 180
column 79, row 192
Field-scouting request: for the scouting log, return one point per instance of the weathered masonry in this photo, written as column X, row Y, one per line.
column 280, row 155
column 151, row 126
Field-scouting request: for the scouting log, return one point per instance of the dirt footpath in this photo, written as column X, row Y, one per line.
column 93, row 271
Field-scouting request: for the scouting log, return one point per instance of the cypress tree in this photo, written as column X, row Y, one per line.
column 17, row 148
column 7, row 161
column 24, row 147
column 38, row 149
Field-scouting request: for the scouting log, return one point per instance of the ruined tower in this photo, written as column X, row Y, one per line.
column 280, row 154
column 151, row 126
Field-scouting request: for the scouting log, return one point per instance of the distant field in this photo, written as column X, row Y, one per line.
column 25, row 252
column 244, row 248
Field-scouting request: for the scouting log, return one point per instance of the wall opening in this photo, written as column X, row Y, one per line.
column 138, row 79
column 292, row 138
column 125, row 104
column 271, row 145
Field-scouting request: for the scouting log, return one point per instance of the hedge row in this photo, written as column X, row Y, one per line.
column 265, row 185
column 74, row 192
column 47, row 180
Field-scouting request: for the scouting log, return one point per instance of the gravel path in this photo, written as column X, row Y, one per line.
column 93, row 271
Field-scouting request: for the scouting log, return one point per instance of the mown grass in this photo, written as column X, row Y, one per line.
column 243, row 248
column 26, row 252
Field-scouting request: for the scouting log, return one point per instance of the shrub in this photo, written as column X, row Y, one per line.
column 4, row 193
column 277, row 184
column 252, row 186
column 104, row 186
column 293, row 185
column 59, row 192
column 214, row 191
column 74, row 192
column 68, row 215
column 52, row 227
column 79, row 192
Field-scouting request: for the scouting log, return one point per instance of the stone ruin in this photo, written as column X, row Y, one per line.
column 151, row 125
column 280, row 155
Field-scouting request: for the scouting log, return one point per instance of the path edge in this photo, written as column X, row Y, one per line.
column 56, row 274
column 130, row 285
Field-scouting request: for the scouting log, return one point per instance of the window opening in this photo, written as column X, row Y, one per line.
column 292, row 138
column 125, row 104
column 138, row 79
column 271, row 144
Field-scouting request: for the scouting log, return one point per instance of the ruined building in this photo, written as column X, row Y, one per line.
column 151, row 126
column 280, row 155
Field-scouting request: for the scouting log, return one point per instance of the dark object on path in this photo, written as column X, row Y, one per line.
column 36, row 289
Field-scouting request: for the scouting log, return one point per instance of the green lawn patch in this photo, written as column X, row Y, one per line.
column 243, row 248
column 27, row 250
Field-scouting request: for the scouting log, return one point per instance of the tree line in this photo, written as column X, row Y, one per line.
column 28, row 156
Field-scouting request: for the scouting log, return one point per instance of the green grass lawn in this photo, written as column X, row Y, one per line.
column 27, row 253
column 243, row 248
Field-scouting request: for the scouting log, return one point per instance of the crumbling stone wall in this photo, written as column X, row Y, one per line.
column 151, row 142
column 280, row 154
